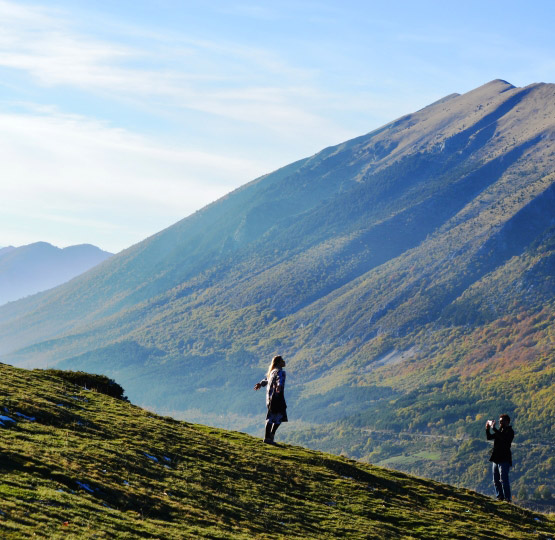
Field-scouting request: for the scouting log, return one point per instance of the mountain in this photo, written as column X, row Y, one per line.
column 26, row 270
column 406, row 276
column 5, row 250
column 77, row 463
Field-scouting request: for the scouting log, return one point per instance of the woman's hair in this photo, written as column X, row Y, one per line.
column 277, row 362
column 506, row 417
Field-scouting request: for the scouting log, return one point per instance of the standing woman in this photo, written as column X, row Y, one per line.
column 275, row 399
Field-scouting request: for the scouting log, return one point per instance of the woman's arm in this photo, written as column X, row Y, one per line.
column 260, row 384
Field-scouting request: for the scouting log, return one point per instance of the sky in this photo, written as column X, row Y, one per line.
column 118, row 119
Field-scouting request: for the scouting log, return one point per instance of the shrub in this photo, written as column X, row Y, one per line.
column 99, row 383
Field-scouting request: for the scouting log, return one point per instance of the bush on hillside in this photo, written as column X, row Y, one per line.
column 98, row 383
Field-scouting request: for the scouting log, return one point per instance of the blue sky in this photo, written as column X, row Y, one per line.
column 117, row 119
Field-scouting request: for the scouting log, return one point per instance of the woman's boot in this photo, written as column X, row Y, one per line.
column 269, row 437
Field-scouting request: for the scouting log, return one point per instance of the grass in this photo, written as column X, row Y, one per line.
column 92, row 466
column 410, row 458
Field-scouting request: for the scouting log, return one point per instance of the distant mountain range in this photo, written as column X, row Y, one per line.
column 29, row 269
column 407, row 277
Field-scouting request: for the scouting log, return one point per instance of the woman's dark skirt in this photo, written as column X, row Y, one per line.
column 277, row 410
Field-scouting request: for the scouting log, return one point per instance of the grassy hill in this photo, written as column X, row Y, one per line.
column 77, row 463
column 407, row 277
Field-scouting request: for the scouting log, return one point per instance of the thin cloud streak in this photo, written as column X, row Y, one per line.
column 29, row 140
column 55, row 56
column 60, row 162
column 78, row 166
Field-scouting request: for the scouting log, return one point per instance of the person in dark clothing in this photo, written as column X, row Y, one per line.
column 275, row 399
column 501, row 457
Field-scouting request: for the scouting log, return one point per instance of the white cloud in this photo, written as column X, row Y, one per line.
column 69, row 169
column 70, row 174
column 49, row 50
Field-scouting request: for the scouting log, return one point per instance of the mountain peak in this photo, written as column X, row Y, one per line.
column 500, row 84
column 488, row 91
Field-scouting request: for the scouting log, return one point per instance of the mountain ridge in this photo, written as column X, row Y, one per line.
column 157, row 256
column 375, row 245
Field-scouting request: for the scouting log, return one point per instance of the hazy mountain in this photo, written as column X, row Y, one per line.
column 405, row 275
column 29, row 269
column 4, row 250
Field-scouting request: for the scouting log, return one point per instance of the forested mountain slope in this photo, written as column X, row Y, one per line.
column 76, row 463
column 406, row 276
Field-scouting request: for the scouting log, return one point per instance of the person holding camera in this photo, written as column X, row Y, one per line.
column 501, row 457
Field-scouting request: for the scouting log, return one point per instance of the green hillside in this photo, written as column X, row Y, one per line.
column 77, row 463
column 406, row 276
column 438, row 384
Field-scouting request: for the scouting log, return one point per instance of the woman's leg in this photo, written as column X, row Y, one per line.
column 268, row 435
column 273, row 421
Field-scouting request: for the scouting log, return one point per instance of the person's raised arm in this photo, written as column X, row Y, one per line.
column 490, row 436
column 260, row 384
